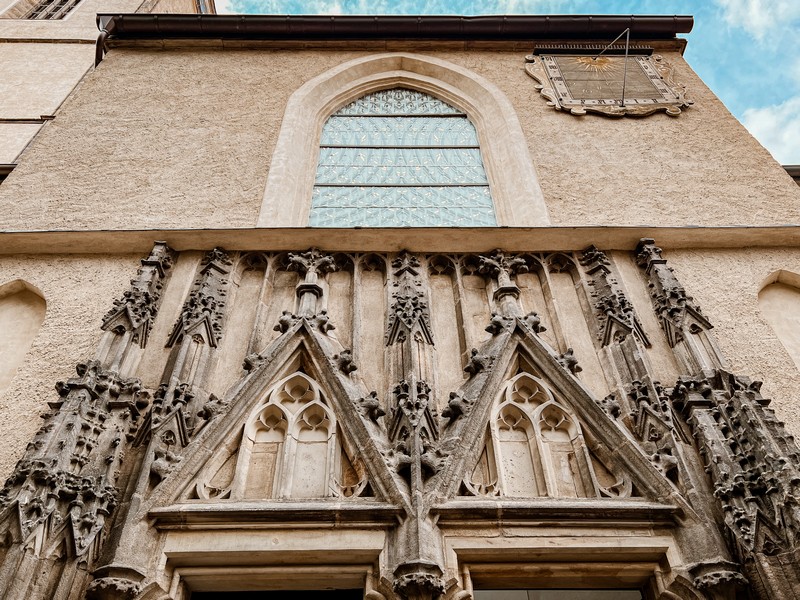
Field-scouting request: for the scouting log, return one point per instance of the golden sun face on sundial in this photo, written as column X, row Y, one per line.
column 601, row 64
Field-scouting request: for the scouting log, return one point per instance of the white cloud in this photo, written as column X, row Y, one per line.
column 410, row 7
column 778, row 129
column 760, row 18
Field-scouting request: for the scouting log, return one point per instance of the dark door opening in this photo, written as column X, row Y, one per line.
column 281, row 595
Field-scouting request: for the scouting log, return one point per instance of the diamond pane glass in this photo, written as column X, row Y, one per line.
column 400, row 158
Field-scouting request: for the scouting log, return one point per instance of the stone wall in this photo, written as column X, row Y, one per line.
column 170, row 135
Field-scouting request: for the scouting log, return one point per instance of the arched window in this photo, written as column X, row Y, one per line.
column 22, row 310
column 779, row 302
column 398, row 158
column 515, row 192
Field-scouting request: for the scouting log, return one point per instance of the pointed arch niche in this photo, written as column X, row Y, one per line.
column 535, row 447
column 22, row 310
column 515, row 189
column 291, row 447
column 779, row 302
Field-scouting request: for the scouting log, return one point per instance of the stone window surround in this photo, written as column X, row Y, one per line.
column 268, row 559
column 585, row 560
column 279, row 559
column 512, row 178
column 21, row 8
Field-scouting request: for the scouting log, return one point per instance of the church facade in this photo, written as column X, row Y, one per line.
column 400, row 308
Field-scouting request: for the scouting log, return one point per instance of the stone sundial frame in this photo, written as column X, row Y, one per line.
column 545, row 65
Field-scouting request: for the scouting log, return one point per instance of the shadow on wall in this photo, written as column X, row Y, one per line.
column 22, row 310
column 779, row 302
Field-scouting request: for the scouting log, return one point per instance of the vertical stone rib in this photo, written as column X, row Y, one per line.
column 683, row 322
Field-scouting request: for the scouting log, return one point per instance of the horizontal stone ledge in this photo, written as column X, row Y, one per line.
column 585, row 512
column 414, row 239
column 311, row 514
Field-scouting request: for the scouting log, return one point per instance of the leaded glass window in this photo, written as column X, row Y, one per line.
column 399, row 158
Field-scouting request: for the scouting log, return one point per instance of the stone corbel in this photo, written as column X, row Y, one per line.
column 718, row 579
column 419, row 580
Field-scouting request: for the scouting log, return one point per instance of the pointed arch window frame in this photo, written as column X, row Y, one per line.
column 373, row 172
column 517, row 196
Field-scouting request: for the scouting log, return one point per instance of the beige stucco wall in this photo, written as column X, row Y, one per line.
column 169, row 6
column 41, row 63
column 79, row 24
column 37, row 77
column 197, row 128
column 13, row 139
column 78, row 290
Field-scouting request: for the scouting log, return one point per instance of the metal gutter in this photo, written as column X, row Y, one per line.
column 428, row 27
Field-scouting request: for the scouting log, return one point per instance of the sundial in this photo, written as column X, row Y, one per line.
column 609, row 84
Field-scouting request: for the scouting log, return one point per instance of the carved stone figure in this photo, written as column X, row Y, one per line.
column 457, row 406
column 534, row 322
column 569, row 362
column 372, row 407
column 285, row 322
column 500, row 323
column 344, row 360
column 477, row 362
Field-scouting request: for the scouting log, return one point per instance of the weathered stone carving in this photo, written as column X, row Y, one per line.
column 408, row 312
column 500, row 323
column 533, row 322
column 252, row 361
column 478, row 362
column 344, row 360
column 67, row 478
column 203, row 310
column 750, row 457
column 653, row 398
column 321, row 321
column 711, row 576
column 419, row 580
column 616, row 318
column 310, row 264
column 503, row 267
column 672, row 304
column 164, row 461
column 136, row 310
column 286, row 321
column 414, row 432
column 569, row 362
column 371, row 407
column 421, row 447
column 610, row 405
column 530, row 434
column 457, row 407
column 754, row 465
column 112, row 588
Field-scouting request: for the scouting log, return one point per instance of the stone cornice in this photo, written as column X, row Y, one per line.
column 422, row 239
column 314, row 513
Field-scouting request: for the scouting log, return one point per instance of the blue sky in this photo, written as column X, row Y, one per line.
column 747, row 51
